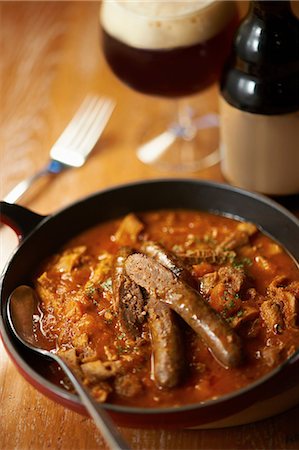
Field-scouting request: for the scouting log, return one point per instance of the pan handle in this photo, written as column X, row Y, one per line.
column 20, row 219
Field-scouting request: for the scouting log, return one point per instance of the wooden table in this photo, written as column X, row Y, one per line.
column 51, row 58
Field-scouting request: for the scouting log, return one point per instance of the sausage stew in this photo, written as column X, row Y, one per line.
column 170, row 307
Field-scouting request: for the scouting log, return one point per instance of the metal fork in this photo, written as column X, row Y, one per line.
column 75, row 143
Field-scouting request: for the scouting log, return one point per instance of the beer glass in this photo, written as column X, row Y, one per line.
column 170, row 49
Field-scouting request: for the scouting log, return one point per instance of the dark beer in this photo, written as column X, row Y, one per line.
column 169, row 67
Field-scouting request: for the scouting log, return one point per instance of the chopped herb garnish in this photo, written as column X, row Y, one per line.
column 247, row 261
column 231, row 304
column 238, row 265
column 90, row 291
column 224, row 312
column 107, row 285
column 243, row 262
column 121, row 336
column 226, row 295
column 125, row 349
column 240, row 313
column 231, row 257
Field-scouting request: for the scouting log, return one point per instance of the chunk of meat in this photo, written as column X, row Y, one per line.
column 127, row 296
column 221, row 289
column 246, row 314
column 233, row 241
column 167, row 344
column 224, row 300
column 251, row 294
column 232, row 277
column 213, row 256
column 128, row 385
column 277, row 283
column 70, row 358
column 237, row 238
column 271, row 313
column 273, row 354
column 128, row 230
column 208, row 282
column 101, row 391
column 284, row 294
column 95, row 371
column 161, row 283
column 81, row 343
column 290, row 309
column 294, row 288
column 88, row 372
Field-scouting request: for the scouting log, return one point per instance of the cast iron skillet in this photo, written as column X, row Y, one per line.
column 41, row 236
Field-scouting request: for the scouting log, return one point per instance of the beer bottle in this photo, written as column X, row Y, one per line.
column 259, row 101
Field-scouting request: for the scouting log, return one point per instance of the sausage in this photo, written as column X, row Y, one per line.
column 222, row 341
column 168, row 260
column 168, row 353
column 128, row 298
column 167, row 342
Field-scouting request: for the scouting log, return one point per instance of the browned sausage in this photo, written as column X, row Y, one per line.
column 168, row 354
column 161, row 283
column 169, row 260
column 167, row 342
column 128, row 298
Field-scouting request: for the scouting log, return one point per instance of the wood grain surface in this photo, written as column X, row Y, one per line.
column 50, row 59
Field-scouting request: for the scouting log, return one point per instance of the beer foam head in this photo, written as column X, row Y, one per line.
column 161, row 24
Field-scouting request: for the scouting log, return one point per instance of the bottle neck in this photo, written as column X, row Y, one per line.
column 262, row 73
column 270, row 8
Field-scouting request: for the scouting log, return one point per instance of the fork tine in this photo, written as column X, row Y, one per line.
column 83, row 131
column 79, row 118
column 88, row 134
column 89, row 118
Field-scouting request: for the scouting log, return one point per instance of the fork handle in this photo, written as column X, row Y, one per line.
column 19, row 190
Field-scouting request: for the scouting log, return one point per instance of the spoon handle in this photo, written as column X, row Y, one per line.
column 100, row 417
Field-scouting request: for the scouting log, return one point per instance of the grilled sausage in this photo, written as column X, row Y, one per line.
column 161, row 283
column 128, row 298
column 168, row 354
column 168, row 260
column 167, row 342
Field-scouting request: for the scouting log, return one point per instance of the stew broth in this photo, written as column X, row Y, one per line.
column 243, row 275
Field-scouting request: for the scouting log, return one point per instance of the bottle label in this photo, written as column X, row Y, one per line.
column 260, row 152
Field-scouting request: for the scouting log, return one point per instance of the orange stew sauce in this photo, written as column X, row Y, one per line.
column 249, row 279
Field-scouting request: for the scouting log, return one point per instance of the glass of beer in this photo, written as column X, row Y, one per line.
column 170, row 49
